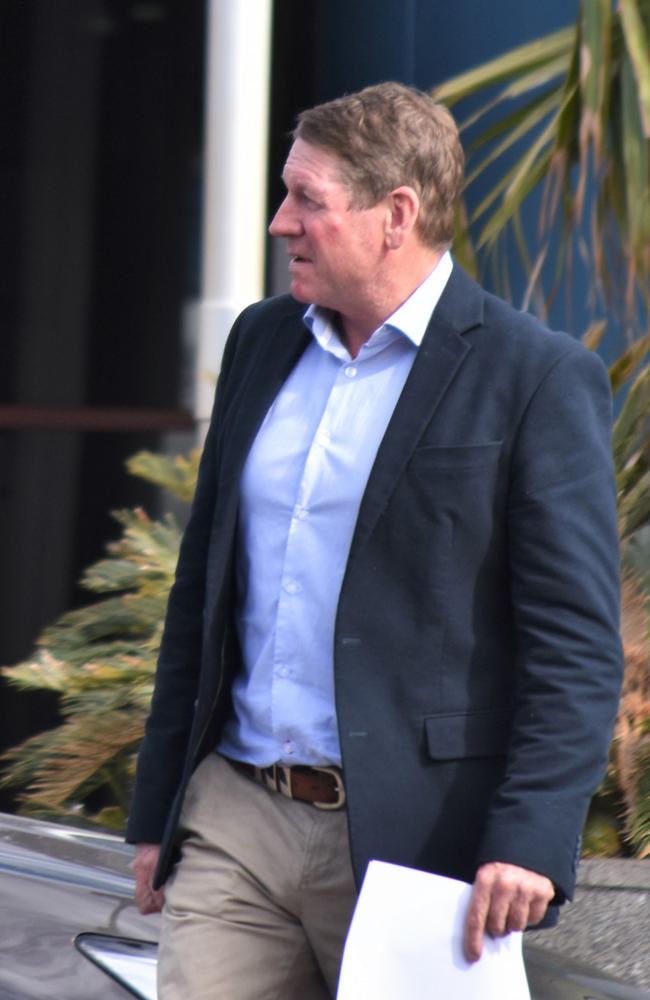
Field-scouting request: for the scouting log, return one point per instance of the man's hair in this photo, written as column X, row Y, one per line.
column 388, row 135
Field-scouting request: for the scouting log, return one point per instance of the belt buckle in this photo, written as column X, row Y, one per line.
column 340, row 789
column 269, row 777
column 282, row 777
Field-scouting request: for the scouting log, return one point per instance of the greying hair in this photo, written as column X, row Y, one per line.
column 389, row 135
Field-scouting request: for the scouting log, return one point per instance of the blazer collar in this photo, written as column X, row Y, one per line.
column 276, row 353
column 437, row 363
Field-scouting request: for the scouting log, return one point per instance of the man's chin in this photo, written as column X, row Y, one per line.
column 300, row 292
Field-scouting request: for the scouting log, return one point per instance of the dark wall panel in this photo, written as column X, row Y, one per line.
column 101, row 104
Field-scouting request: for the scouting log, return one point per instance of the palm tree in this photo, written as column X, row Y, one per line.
column 566, row 119
column 580, row 128
column 569, row 115
column 101, row 660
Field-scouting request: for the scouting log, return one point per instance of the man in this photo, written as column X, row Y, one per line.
column 395, row 610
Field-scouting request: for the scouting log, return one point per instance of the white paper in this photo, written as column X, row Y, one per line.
column 406, row 943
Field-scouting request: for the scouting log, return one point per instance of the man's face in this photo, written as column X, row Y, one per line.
column 335, row 249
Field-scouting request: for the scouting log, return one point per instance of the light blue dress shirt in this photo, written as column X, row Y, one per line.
column 301, row 489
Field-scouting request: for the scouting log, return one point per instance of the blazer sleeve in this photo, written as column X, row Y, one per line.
column 163, row 750
column 563, row 552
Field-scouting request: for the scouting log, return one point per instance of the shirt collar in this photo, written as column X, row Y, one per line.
column 411, row 318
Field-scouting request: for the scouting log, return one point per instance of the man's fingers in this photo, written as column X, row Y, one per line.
column 509, row 903
column 488, row 911
column 538, row 909
column 518, row 914
column 504, row 898
column 148, row 899
column 476, row 919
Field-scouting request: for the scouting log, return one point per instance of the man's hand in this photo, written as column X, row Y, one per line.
column 505, row 898
column 148, row 899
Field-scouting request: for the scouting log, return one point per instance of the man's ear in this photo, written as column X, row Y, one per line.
column 403, row 206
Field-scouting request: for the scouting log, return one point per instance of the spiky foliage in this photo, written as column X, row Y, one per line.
column 101, row 659
column 567, row 118
column 631, row 745
column 631, row 443
column 568, row 108
column 620, row 813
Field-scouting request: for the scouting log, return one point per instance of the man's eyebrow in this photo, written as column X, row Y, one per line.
column 308, row 188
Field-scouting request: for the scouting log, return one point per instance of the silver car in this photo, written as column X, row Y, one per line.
column 69, row 929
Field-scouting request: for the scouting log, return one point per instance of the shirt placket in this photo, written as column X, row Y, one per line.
column 293, row 602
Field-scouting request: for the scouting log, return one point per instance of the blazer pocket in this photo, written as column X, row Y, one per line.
column 458, row 735
column 456, row 457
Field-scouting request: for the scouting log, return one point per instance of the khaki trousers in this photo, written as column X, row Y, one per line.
column 260, row 902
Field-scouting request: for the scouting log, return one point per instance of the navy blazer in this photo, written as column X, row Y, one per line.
column 477, row 657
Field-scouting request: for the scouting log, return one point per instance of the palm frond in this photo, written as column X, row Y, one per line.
column 575, row 104
column 513, row 64
column 101, row 659
column 175, row 473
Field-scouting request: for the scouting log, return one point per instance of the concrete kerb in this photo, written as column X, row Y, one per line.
column 608, row 923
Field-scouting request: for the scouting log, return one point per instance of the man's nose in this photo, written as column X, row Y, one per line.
column 284, row 223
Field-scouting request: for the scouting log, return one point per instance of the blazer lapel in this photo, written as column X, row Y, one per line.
column 439, row 358
column 267, row 371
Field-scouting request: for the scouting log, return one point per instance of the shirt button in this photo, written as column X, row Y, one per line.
column 283, row 671
column 350, row 371
column 301, row 513
column 292, row 587
column 288, row 747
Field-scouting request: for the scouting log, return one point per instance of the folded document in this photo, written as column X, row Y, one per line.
column 406, row 943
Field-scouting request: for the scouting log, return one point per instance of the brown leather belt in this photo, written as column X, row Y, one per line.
column 319, row 786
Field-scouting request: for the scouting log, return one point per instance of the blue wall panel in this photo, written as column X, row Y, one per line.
column 343, row 45
column 358, row 42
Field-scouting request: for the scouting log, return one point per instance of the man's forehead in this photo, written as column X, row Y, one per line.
column 312, row 163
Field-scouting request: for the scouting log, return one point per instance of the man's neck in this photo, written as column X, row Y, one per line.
column 356, row 326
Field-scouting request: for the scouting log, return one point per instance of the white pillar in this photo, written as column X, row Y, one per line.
column 235, row 164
